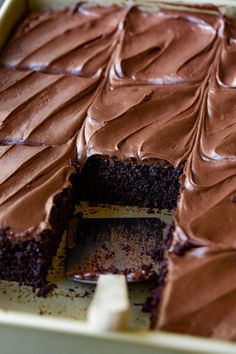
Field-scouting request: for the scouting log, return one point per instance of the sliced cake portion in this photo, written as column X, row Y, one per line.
column 36, row 202
column 133, row 143
column 75, row 41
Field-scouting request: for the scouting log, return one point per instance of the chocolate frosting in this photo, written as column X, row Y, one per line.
column 153, row 85
column 30, row 178
column 147, row 105
column 205, row 214
column 153, row 46
column 76, row 42
column 200, row 294
column 32, row 104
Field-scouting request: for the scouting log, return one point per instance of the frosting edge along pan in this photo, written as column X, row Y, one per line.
column 25, row 332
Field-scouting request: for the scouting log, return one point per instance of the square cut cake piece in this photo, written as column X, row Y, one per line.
column 134, row 140
column 140, row 128
column 40, row 115
column 36, row 202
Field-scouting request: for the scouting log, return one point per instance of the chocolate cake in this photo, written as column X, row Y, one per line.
column 144, row 102
column 109, row 180
column 36, row 202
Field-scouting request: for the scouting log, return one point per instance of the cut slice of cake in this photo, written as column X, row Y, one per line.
column 141, row 126
column 36, row 203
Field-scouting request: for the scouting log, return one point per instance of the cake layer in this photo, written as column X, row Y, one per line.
column 199, row 294
column 27, row 257
column 36, row 203
column 38, row 108
column 111, row 181
column 78, row 41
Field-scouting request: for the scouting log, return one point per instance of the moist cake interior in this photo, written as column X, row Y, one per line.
column 109, row 180
column 129, row 107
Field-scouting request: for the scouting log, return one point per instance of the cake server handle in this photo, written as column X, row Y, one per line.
column 110, row 307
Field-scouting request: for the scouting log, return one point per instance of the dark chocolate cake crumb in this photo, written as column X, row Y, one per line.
column 152, row 302
column 107, row 180
column 28, row 262
column 45, row 289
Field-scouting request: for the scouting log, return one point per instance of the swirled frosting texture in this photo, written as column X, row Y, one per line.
column 206, row 210
column 148, row 103
column 126, row 83
column 32, row 104
column 200, row 294
column 76, row 42
column 30, row 178
column 153, row 46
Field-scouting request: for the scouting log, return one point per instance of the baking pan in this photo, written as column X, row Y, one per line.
column 29, row 324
